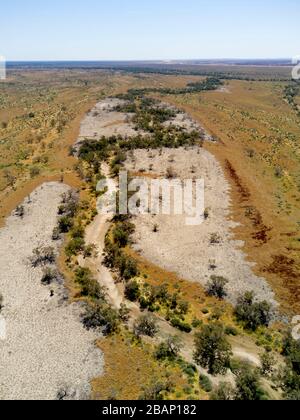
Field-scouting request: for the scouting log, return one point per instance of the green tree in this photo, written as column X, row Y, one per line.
column 132, row 291
column 216, row 287
column 212, row 350
column 146, row 325
column 248, row 386
column 253, row 314
column 169, row 349
column 267, row 364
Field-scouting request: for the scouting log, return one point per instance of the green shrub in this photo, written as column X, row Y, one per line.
column 180, row 325
column 101, row 316
column 89, row 286
column 252, row 314
column 146, row 325
column 169, row 349
column 205, row 383
column 132, row 291
column 197, row 323
column 230, row 330
column 64, row 224
column 216, row 287
column 75, row 246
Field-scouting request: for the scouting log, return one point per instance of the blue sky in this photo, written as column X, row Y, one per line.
column 154, row 29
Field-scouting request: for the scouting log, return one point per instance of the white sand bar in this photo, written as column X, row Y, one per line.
column 46, row 350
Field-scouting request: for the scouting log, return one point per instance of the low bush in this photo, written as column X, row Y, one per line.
column 169, row 349
column 216, row 287
column 65, row 223
column 146, row 325
column 230, row 330
column 205, row 383
column 89, row 286
column 42, row 256
column 180, row 325
column 74, row 247
column 132, row 291
column 51, row 275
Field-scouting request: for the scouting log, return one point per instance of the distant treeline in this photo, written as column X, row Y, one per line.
column 211, row 83
column 225, row 75
column 246, row 70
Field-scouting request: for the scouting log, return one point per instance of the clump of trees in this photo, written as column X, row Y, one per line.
column 67, row 211
column 146, row 325
column 43, row 256
column 217, row 287
column 251, row 313
column 169, row 349
column 76, row 244
column 212, row 350
column 114, row 256
column 100, row 315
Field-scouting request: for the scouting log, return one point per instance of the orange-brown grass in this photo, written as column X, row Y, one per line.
column 130, row 368
column 258, row 135
column 193, row 293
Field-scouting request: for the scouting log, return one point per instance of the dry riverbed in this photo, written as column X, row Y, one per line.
column 187, row 250
column 46, row 353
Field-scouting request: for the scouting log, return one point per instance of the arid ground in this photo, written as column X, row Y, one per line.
column 247, row 152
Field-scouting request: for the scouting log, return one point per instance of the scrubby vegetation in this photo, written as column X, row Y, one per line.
column 252, row 313
column 146, row 325
column 169, row 349
column 42, row 256
column 289, row 376
column 216, row 287
column 100, row 315
column 212, row 349
column 211, row 83
column 51, row 275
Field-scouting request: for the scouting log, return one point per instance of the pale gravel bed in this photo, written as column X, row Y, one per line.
column 185, row 249
column 46, row 349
